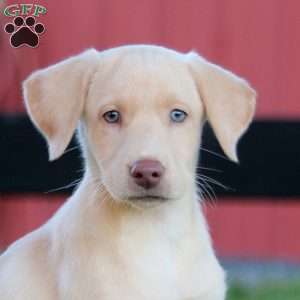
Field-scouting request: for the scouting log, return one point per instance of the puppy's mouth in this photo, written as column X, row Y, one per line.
column 148, row 198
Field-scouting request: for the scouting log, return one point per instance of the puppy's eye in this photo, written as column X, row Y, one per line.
column 178, row 115
column 112, row 116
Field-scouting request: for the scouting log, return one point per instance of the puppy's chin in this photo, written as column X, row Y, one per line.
column 145, row 201
column 148, row 198
column 141, row 201
column 141, row 198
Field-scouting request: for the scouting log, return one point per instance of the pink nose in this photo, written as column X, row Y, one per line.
column 147, row 173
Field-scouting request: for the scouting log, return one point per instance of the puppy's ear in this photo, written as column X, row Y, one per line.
column 54, row 98
column 228, row 100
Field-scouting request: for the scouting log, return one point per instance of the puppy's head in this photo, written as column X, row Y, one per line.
column 141, row 111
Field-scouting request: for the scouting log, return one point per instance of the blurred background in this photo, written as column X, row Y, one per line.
column 254, row 216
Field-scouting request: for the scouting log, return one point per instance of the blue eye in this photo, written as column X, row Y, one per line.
column 178, row 115
column 112, row 116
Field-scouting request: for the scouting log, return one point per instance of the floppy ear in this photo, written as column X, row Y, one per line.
column 229, row 101
column 54, row 98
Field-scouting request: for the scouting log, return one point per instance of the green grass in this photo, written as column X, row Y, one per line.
column 268, row 291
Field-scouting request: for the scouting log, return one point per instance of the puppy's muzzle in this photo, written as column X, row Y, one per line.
column 147, row 173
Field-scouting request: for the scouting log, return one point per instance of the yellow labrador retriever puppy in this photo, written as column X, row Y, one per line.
column 133, row 230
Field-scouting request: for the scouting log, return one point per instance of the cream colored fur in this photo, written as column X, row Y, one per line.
column 101, row 245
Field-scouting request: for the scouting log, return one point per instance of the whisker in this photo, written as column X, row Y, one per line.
column 213, row 181
column 214, row 153
column 210, row 169
column 73, row 183
column 81, row 170
column 71, row 149
column 208, row 198
column 207, row 189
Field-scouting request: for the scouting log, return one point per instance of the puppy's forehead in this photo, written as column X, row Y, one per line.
column 136, row 72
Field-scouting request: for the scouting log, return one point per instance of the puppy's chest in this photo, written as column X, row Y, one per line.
column 137, row 272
